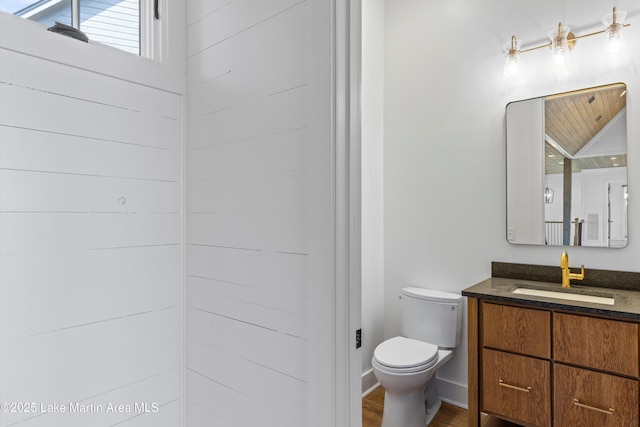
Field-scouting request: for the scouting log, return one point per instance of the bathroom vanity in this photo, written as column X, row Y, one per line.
column 545, row 361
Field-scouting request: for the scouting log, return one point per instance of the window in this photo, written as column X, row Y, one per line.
column 115, row 23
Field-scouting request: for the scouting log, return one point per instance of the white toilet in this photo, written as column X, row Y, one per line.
column 431, row 325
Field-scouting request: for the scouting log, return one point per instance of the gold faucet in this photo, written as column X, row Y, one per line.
column 567, row 275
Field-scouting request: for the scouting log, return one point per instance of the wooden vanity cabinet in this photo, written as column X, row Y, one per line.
column 595, row 376
column 539, row 367
column 516, row 367
column 583, row 397
column 516, row 387
column 603, row 344
column 517, row 330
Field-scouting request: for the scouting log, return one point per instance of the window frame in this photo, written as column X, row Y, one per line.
column 147, row 10
column 164, row 69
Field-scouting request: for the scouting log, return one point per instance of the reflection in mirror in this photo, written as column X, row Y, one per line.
column 567, row 168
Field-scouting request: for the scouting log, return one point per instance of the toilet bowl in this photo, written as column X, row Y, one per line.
column 406, row 365
column 405, row 368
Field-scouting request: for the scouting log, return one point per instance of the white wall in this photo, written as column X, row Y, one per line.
column 595, row 201
column 372, row 184
column 90, row 272
column 444, row 170
column 259, row 213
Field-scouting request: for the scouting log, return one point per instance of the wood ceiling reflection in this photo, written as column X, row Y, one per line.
column 572, row 121
column 554, row 161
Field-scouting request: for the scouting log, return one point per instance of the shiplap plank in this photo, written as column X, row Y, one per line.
column 22, row 191
column 285, row 151
column 209, row 400
column 228, row 21
column 147, row 274
column 238, row 410
column 91, row 287
column 88, row 362
column 156, row 389
column 168, row 416
column 35, row 109
column 282, row 313
column 27, row 72
column 25, row 149
column 271, row 231
column 278, row 273
column 40, row 315
column 197, row 10
column 38, row 232
column 257, row 383
column 277, row 192
column 286, row 70
column 272, row 114
column 222, row 365
column 274, row 350
column 279, row 34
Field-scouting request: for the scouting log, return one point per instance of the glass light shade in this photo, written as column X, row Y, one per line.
column 614, row 23
column 559, row 43
column 512, row 53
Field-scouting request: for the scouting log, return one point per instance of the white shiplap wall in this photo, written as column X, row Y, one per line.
column 89, row 245
column 251, row 92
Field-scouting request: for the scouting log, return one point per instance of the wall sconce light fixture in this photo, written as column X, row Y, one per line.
column 548, row 195
column 562, row 40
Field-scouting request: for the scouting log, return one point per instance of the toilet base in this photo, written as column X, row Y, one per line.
column 410, row 400
column 404, row 409
column 431, row 400
column 432, row 409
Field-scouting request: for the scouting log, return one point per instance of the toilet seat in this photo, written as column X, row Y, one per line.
column 405, row 355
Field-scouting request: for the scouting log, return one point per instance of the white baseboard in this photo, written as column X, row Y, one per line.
column 453, row 393
column 369, row 382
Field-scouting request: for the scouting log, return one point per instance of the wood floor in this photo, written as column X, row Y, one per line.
column 447, row 416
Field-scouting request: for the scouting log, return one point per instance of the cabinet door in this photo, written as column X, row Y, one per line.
column 516, row 329
column 587, row 398
column 604, row 344
column 516, row 387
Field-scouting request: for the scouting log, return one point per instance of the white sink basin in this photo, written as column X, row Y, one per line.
column 565, row 295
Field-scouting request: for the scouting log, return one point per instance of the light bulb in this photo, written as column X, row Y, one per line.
column 559, row 44
column 512, row 53
column 614, row 23
column 511, row 65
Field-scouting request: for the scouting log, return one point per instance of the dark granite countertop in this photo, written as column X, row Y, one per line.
column 627, row 280
column 626, row 305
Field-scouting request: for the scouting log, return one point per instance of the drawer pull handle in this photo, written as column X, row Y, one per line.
column 503, row 384
column 593, row 408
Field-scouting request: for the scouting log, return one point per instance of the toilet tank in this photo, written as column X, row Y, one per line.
column 431, row 316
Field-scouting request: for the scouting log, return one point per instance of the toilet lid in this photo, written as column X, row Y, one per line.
column 401, row 352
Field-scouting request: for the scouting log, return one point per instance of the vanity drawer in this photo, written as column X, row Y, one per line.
column 608, row 345
column 516, row 329
column 588, row 398
column 516, row 387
